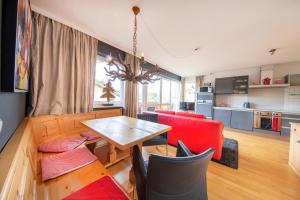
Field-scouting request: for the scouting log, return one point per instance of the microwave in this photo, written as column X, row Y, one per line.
column 206, row 89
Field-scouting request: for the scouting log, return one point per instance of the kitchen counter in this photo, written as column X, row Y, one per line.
column 257, row 109
column 234, row 108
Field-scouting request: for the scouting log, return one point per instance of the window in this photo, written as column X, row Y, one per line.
column 101, row 79
column 165, row 94
column 190, row 91
column 153, row 94
column 162, row 94
column 175, row 95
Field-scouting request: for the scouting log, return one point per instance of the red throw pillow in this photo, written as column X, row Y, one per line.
column 59, row 145
column 89, row 135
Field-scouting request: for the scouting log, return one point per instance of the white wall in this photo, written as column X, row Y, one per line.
column 275, row 98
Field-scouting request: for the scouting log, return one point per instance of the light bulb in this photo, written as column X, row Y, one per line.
column 108, row 58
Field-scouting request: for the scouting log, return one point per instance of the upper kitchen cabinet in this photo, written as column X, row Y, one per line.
column 292, row 79
column 224, row 85
column 232, row 85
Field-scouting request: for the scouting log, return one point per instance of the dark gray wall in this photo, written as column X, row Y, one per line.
column 12, row 112
column 12, row 107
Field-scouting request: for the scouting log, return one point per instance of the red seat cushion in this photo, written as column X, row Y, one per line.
column 62, row 163
column 89, row 135
column 194, row 115
column 169, row 112
column 59, row 145
column 104, row 189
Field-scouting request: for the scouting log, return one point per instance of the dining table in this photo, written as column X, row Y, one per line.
column 124, row 133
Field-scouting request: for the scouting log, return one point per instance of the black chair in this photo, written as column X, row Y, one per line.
column 172, row 178
column 158, row 140
column 151, row 109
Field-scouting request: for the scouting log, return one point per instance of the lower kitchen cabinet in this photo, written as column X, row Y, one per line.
column 294, row 157
column 242, row 120
column 223, row 115
column 286, row 119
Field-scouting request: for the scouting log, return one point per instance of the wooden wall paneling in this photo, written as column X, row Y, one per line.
column 20, row 175
column 45, row 128
column 108, row 113
column 70, row 124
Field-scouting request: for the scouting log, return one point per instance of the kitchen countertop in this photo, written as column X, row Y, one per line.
column 256, row 109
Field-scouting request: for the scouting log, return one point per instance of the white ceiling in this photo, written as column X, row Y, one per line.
column 231, row 34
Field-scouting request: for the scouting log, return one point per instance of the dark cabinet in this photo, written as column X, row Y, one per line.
column 223, row 115
column 292, row 79
column 240, row 85
column 242, row 120
column 232, row 85
column 224, row 85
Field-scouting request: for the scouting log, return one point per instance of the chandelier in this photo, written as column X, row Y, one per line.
column 127, row 72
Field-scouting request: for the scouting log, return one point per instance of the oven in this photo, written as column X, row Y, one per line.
column 266, row 120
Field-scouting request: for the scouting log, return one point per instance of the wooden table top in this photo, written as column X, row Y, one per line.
column 125, row 132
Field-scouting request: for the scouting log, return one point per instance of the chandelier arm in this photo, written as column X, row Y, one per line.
column 122, row 62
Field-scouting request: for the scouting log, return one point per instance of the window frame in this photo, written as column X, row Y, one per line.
column 122, row 89
column 145, row 102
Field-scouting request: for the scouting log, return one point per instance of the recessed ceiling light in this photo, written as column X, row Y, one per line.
column 272, row 51
column 197, row 49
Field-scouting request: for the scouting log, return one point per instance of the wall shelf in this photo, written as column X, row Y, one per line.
column 269, row 86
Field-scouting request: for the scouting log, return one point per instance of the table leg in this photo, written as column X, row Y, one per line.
column 112, row 153
column 131, row 173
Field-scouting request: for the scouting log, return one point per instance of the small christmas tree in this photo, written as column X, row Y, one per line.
column 108, row 92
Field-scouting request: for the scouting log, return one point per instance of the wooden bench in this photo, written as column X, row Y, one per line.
column 20, row 162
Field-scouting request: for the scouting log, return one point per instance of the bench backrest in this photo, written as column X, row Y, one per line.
column 19, row 169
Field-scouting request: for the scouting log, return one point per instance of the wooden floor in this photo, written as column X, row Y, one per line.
column 263, row 171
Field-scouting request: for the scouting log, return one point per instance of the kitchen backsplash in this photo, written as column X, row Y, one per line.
column 272, row 98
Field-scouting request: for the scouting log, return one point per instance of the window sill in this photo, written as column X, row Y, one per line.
column 102, row 107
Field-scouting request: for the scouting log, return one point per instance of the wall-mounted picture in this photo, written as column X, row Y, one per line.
column 16, row 45
column 22, row 45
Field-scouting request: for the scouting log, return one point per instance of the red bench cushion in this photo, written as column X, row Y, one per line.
column 59, row 145
column 89, row 135
column 169, row 112
column 62, row 163
column 104, row 189
column 193, row 115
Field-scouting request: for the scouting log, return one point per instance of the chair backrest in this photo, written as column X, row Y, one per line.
column 150, row 108
column 151, row 117
column 140, row 173
column 178, row 178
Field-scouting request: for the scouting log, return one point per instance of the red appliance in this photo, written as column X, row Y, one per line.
column 276, row 121
column 267, row 81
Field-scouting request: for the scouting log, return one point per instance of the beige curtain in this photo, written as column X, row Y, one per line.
column 62, row 68
column 182, row 89
column 131, row 93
